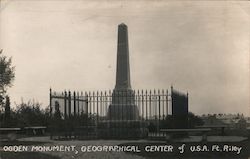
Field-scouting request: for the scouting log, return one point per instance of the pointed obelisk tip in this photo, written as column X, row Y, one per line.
column 122, row 25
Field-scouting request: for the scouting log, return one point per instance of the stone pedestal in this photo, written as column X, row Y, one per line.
column 123, row 112
column 123, row 106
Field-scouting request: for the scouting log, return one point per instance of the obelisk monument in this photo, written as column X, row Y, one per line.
column 123, row 99
column 122, row 65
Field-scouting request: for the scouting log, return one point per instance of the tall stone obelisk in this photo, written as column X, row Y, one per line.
column 122, row 65
column 123, row 99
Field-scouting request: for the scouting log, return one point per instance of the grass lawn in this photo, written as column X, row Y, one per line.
column 26, row 155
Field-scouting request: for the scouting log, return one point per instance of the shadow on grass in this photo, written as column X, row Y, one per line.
column 26, row 155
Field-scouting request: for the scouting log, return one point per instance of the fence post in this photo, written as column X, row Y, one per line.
column 138, row 104
column 146, row 104
column 50, row 100
column 69, row 102
column 74, row 98
column 187, row 121
column 93, row 103
column 65, row 104
column 78, row 104
column 133, row 112
column 150, row 104
column 97, row 110
column 106, row 103
column 187, row 102
column 163, row 114
column 50, row 110
column 167, row 104
column 142, row 103
column 159, row 111
column 101, row 105
column 172, row 101
column 110, row 99
column 87, row 103
column 82, row 98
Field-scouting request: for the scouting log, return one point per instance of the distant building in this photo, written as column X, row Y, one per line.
column 233, row 121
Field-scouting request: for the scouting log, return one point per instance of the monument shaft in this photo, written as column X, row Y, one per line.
column 122, row 66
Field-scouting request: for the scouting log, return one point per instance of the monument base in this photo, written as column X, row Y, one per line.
column 122, row 129
column 123, row 112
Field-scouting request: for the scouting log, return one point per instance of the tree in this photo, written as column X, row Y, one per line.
column 7, row 110
column 30, row 114
column 194, row 120
column 7, row 75
column 9, row 115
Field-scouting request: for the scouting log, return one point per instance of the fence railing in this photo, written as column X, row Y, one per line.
column 92, row 110
column 151, row 104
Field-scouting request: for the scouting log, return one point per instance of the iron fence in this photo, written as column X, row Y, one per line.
column 151, row 104
column 87, row 114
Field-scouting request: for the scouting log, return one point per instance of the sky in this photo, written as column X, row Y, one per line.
column 197, row 46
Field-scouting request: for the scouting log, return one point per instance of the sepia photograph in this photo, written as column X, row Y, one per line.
column 143, row 79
